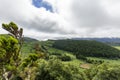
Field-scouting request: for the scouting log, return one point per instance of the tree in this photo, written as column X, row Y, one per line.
column 14, row 31
column 39, row 48
column 8, row 53
column 10, row 48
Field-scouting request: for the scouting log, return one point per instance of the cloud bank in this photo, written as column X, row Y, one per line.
column 45, row 19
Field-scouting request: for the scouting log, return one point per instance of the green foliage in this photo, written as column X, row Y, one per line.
column 32, row 47
column 27, row 48
column 65, row 58
column 55, row 53
column 8, row 49
column 47, row 43
column 61, row 56
column 104, row 72
column 81, row 57
column 29, row 61
column 87, row 48
column 13, row 30
column 39, row 48
column 55, row 70
column 10, row 46
column 9, row 54
column 94, row 61
column 17, row 78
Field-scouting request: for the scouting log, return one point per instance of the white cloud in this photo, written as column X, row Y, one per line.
column 72, row 18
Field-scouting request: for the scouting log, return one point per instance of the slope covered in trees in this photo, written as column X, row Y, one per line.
column 110, row 41
column 87, row 48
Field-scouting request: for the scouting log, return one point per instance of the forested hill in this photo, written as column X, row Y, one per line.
column 28, row 39
column 110, row 41
column 87, row 48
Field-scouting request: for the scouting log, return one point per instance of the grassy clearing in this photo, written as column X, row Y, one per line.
column 74, row 62
column 82, row 65
column 117, row 47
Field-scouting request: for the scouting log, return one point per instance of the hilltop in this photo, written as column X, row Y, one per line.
column 111, row 41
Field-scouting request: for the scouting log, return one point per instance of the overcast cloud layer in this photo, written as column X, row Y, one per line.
column 66, row 18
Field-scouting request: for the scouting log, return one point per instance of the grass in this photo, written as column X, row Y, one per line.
column 117, row 47
column 74, row 62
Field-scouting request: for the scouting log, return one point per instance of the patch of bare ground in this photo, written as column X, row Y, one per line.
column 85, row 66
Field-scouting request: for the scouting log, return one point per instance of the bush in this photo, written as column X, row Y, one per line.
column 94, row 61
column 65, row 58
column 57, row 54
column 81, row 57
column 17, row 78
column 55, row 70
column 104, row 72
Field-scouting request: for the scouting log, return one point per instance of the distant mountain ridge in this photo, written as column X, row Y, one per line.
column 110, row 41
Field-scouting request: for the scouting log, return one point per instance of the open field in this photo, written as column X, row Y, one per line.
column 117, row 47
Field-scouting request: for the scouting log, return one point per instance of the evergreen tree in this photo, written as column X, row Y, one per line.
column 14, row 31
column 10, row 47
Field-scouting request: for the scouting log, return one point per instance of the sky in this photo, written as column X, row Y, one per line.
column 56, row 19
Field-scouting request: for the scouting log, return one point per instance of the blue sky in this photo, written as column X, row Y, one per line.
column 41, row 3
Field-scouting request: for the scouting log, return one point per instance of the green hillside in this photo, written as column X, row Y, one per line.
column 28, row 39
column 63, row 63
column 87, row 48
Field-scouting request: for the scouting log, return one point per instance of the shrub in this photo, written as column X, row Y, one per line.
column 104, row 72
column 81, row 57
column 55, row 70
column 65, row 58
column 94, row 61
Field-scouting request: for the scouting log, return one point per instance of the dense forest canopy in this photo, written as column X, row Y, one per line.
column 87, row 48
